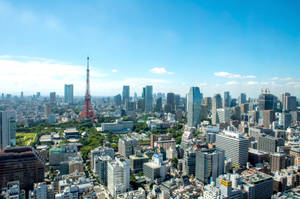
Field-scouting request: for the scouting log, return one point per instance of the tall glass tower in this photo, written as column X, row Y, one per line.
column 194, row 99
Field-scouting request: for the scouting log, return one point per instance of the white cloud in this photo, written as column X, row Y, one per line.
column 233, row 76
column 232, row 83
column 252, row 83
column 114, row 70
column 281, row 79
column 160, row 71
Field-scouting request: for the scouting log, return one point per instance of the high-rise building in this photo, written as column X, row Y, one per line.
column 242, row 98
column 126, row 94
column 290, row 103
column 69, row 93
column 209, row 164
column 148, row 99
column 226, row 99
column 189, row 164
column 269, row 144
column 101, row 151
column 223, row 115
column 266, row 101
column 285, row 120
column 21, row 164
column 282, row 99
column 100, row 168
column 170, row 106
column 234, row 145
column 268, row 118
column 7, row 129
column 52, row 97
column 194, row 99
column 216, row 104
column 118, row 176
column 277, row 161
column 158, row 105
column 117, row 100
column 127, row 146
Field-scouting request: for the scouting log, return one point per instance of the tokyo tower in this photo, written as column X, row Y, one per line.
column 87, row 112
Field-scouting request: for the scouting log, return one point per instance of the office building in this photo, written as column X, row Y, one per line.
column 119, row 126
column 21, row 164
column 161, row 137
column 100, row 168
column 266, row 101
column 285, row 120
column 69, row 93
column 226, row 99
column 189, row 164
column 277, row 161
column 137, row 162
column 235, row 146
column 216, row 104
column 158, row 105
column 101, row 151
column 290, row 103
column 170, row 106
column 7, row 129
column 269, row 144
column 117, row 100
column 127, row 146
column 242, row 98
column 258, row 185
column 126, row 94
column 268, row 118
column 118, row 176
column 223, row 115
column 194, row 99
column 155, row 168
column 209, row 164
column 52, row 98
column 148, row 99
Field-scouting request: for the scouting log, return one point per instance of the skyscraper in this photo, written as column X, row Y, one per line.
column 158, row 105
column 118, row 100
column 52, row 98
column 226, row 99
column 126, row 94
column 209, row 164
column 266, row 101
column 170, row 106
column 216, row 104
column 69, row 93
column 148, row 99
column 243, row 98
column 7, row 129
column 194, row 99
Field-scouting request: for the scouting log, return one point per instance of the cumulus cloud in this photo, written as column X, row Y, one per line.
column 160, row 71
column 252, row 83
column 233, row 76
column 114, row 70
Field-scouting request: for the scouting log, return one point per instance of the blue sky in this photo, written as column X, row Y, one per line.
column 240, row 46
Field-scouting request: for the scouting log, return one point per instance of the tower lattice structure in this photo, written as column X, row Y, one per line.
column 87, row 112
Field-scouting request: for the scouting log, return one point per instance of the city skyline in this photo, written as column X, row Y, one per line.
column 218, row 47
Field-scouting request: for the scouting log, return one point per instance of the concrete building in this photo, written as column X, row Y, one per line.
column 100, row 168
column 226, row 99
column 234, row 145
column 277, row 161
column 194, row 99
column 257, row 184
column 137, row 162
column 127, row 146
column 161, row 137
column 155, row 168
column 52, row 97
column 118, row 176
column 21, row 164
column 119, row 126
column 101, row 151
column 209, row 164
column 269, row 144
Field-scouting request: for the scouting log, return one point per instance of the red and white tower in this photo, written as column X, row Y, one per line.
column 87, row 112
